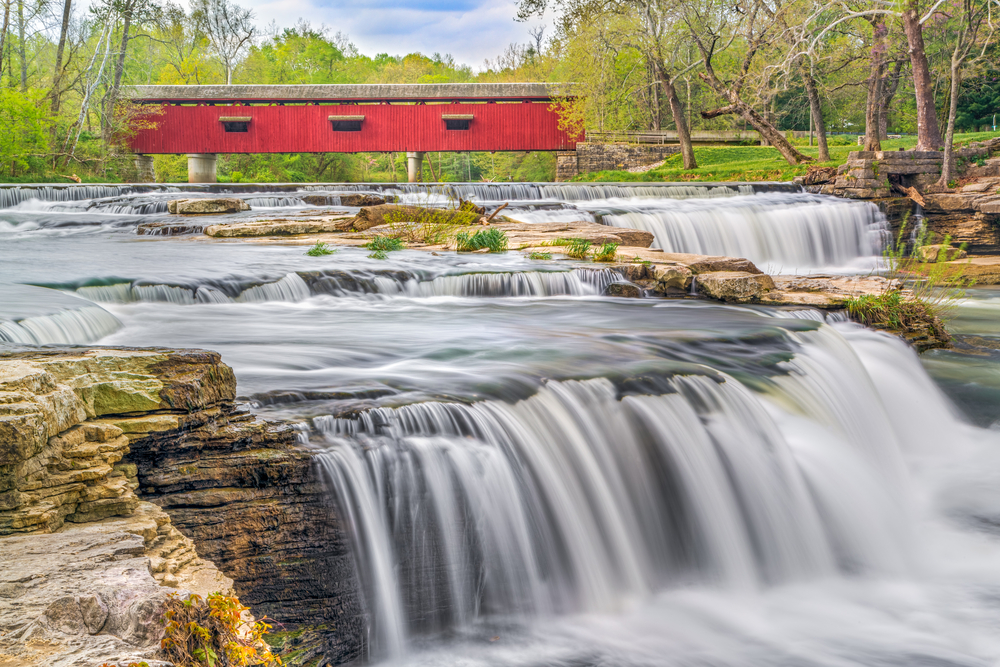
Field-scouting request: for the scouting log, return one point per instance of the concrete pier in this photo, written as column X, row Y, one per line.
column 145, row 171
column 414, row 166
column 201, row 168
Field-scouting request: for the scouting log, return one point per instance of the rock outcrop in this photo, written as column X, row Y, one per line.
column 88, row 434
column 278, row 227
column 734, row 286
column 207, row 206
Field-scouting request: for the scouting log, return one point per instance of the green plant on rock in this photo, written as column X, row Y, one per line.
column 382, row 245
column 211, row 632
column 540, row 255
column 578, row 248
column 493, row 239
column 640, row 260
column 606, row 253
column 320, row 249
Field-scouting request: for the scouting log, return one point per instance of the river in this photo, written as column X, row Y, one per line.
column 535, row 474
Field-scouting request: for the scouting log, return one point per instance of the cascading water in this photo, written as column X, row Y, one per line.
column 587, row 494
column 780, row 233
column 529, row 478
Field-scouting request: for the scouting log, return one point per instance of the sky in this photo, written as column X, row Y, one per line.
column 470, row 30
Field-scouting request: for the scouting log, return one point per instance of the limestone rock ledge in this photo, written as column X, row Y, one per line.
column 90, row 593
column 86, row 434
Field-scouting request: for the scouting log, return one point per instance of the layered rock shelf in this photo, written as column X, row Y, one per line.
column 137, row 466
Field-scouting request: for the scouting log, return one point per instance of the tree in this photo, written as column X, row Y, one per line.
column 649, row 27
column 229, row 28
column 25, row 126
column 968, row 33
column 57, row 73
column 928, row 132
column 715, row 29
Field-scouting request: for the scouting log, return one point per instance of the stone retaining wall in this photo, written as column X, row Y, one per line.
column 590, row 157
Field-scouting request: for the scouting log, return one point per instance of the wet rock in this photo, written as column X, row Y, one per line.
column 207, row 206
column 277, row 227
column 672, row 276
column 931, row 253
column 168, row 228
column 734, row 286
column 362, row 200
column 707, row 264
column 623, row 290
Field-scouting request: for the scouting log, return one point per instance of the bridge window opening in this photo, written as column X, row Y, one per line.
column 457, row 121
column 346, row 123
column 235, row 123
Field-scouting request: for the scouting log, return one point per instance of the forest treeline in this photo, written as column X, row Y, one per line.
column 871, row 68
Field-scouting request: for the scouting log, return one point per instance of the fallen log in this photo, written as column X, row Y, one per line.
column 387, row 214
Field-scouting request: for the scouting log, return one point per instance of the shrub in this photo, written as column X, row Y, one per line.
column 578, row 248
column 606, row 253
column 381, row 245
column 493, row 239
column 540, row 255
column 210, row 632
column 320, row 249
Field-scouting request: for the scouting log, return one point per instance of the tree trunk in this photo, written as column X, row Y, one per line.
column 55, row 93
column 956, row 82
column 20, row 47
column 928, row 132
column 873, row 104
column 816, row 114
column 890, row 84
column 768, row 132
column 677, row 111
column 3, row 32
column 119, row 70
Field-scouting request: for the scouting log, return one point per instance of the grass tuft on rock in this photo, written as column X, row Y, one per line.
column 320, row 249
column 495, row 240
column 540, row 255
column 382, row 245
column 606, row 253
column 578, row 248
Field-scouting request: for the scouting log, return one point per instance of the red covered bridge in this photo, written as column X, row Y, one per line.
column 203, row 121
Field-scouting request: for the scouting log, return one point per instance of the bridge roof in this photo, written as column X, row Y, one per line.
column 353, row 92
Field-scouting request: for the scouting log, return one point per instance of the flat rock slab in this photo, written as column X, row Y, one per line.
column 277, row 227
column 537, row 233
column 983, row 269
column 826, row 292
column 207, row 206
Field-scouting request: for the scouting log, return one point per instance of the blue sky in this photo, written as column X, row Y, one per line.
column 470, row 30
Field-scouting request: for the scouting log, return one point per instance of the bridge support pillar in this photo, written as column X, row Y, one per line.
column 145, row 171
column 414, row 166
column 201, row 168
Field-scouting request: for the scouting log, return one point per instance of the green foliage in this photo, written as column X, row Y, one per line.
column 640, row 260
column 25, row 125
column 382, row 245
column 493, row 239
column 211, row 632
column 606, row 253
column 540, row 255
column 578, row 248
column 320, row 249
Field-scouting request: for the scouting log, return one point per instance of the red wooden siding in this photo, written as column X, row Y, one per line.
column 520, row 126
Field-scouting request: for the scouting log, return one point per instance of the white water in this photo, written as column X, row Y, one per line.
column 580, row 500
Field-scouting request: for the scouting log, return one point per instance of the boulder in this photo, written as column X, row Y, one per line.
column 672, row 276
column 931, row 253
column 623, row 290
column 708, row 263
column 207, row 206
column 344, row 200
column 734, row 286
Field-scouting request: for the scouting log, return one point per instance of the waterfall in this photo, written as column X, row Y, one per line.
column 781, row 231
column 296, row 287
column 65, row 327
column 587, row 494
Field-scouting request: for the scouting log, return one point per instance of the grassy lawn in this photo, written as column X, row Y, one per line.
column 753, row 163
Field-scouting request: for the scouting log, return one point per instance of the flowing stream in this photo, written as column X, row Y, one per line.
column 534, row 474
